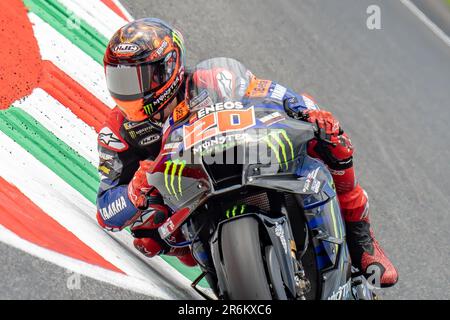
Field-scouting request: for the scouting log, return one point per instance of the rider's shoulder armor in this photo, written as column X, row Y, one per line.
column 119, row 135
column 122, row 144
column 143, row 135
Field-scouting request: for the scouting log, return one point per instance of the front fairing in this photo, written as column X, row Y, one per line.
column 267, row 157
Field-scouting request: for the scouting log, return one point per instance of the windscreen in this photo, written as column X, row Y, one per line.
column 217, row 80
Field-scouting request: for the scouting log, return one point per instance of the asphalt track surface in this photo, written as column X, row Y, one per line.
column 26, row 277
column 390, row 89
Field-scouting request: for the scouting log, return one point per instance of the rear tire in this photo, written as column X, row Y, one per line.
column 243, row 261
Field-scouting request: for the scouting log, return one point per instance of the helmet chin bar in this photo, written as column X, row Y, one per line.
column 162, row 115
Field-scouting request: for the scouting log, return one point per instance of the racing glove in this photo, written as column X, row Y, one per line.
column 147, row 199
column 327, row 125
column 138, row 188
column 331, row 144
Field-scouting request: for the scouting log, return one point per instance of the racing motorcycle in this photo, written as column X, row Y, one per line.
column 260, row 216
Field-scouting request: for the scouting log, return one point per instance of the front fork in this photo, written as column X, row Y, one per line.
column 281, row 228
column 284, row 248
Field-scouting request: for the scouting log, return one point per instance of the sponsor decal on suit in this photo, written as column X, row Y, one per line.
column 110, row 139
column 150, row 139
column 113, row 209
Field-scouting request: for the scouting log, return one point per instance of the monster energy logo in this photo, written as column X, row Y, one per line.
column 235, row 210
column 148, row 109
column 276, row 138
column 169, row 176
column 176, row 38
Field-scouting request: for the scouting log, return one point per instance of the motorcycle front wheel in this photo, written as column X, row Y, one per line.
column 243, row 261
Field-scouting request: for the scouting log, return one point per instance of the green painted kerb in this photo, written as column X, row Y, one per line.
column 52, row 152
column 188, row 272
column 40, row 142
column 66, row 163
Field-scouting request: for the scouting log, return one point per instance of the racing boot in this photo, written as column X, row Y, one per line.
column 334, row 148
column 365, row 251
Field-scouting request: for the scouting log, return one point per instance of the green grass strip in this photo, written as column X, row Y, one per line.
column 188, row 272
column 52, row 152
column 62, row 19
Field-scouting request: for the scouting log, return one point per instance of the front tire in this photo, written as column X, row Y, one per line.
column 243, row 261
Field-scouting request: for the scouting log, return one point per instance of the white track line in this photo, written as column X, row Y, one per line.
column 75, row 213
column 177, row 279
column 71, row 59
column 83, row 139
column 62, row 123
column 46, row 116
column 63, row 203
column 95, row 272
column 106, row 23
column 55, row 197
column 430, row 24
column 124, row 11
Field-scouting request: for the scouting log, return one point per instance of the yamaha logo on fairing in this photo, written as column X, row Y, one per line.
column 342, row 292
column 126, row 48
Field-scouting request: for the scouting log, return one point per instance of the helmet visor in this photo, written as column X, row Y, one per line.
column 128, row 83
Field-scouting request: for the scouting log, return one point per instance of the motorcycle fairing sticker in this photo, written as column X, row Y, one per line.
column 208, row 124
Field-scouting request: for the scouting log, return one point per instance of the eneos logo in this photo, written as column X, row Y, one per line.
column 218, row 119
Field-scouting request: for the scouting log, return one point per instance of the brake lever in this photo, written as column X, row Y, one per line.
column 318, row 132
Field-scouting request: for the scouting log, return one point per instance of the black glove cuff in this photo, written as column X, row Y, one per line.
column 323, row 149
column 152, row 234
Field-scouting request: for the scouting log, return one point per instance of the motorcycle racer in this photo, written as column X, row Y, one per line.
column 146, row 76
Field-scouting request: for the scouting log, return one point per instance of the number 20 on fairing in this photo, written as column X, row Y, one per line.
column 216, row 123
